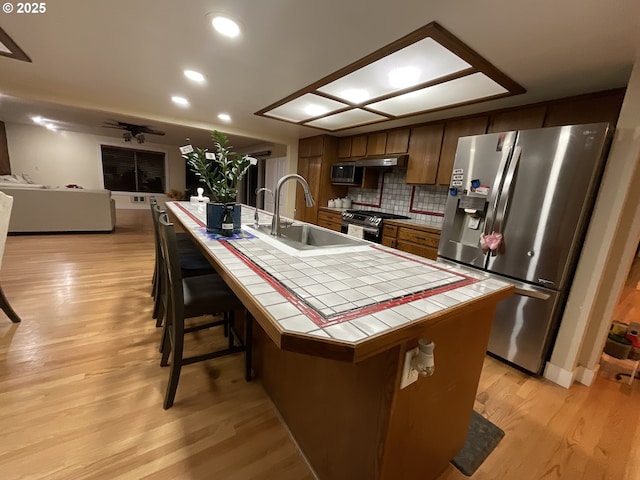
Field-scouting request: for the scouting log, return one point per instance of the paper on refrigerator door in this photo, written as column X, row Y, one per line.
column 355, row 231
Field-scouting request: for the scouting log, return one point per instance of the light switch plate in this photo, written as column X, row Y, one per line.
column 409, row 375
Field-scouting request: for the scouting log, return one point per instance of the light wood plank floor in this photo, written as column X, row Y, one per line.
column 81, row 388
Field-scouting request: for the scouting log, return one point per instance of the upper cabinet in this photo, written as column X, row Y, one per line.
column 424, row 152
column 344, row 147
column 379, row 143
column 359, row 146
column 520, row 119
column 453, row 130
column 397, row 141
column 311, row 146
column 585, row 109
column 376, row 143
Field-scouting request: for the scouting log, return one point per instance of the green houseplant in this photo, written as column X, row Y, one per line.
column 220, row 172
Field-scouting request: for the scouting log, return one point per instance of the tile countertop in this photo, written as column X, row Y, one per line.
column 345, row 296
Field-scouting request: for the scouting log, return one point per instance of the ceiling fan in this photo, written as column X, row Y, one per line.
column 132, row 130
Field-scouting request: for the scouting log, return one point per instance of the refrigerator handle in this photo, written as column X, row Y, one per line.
column 495, row 192
column 505, row 195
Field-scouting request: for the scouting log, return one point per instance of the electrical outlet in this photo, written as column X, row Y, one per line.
column 409, row 375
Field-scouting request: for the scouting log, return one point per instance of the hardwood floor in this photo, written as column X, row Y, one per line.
column 81, row 387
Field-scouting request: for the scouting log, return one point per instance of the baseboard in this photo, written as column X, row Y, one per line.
column 586, row 375
column 562, row 377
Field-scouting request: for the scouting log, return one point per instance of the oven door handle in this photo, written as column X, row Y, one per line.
column 366, row 229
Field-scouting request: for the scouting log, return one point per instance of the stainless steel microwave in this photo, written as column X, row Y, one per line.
column 346, row 173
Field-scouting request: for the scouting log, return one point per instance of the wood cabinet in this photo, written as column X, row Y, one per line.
column 586, row 109
column 453, row 130
column 316, row 169
column 520, row 119
column 376, row 143
column 311, row 146
column 330, row 219
column 344, row 147
column 397, row 141
column 359, row 146
column 411, row 237
column 389, row 234
column 424, row 154
column 418, row 241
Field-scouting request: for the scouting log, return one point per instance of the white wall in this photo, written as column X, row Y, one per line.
column 62, row 157
column 608, row 250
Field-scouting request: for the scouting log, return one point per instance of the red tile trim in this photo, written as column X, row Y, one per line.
column 195, row 219
column 425, row 212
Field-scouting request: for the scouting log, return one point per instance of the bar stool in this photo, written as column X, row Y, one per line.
column 192, row 297
column 192, row 263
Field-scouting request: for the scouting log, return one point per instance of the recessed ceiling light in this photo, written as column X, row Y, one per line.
column 183, row 102
column 39, row 120
column 224, row 117
column 226, row 26
column 193, row 75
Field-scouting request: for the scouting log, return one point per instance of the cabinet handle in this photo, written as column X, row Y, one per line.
column 420, row 238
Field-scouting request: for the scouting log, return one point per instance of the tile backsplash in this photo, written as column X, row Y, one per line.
column 428, row 200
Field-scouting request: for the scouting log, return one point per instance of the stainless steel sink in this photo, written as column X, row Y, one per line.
column 306, row 237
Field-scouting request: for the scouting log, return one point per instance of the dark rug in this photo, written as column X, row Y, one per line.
column 482, row 437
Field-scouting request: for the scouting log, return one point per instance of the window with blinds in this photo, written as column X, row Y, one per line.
column 129, row 170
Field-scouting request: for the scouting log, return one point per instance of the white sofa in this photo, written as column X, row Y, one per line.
column 41, row 209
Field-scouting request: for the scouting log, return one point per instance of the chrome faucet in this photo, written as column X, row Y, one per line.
column 275, row 222
column 255, row 215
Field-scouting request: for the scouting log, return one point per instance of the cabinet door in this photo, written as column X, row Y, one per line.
column 452, row 131
column 376, row 143
column 344, row 147
column 424, row 152
column 585, row 110
column 310, row 169
column 311, row 146
column 397, row 141
column 359, row 146
column 521, row 119
column 314, row 170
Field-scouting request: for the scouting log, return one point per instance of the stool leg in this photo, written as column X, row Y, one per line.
column 4, row 304
column 248, row 345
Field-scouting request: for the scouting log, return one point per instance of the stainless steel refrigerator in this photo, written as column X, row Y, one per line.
column 537, row 189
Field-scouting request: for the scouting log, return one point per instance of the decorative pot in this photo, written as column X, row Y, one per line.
column 215, row 212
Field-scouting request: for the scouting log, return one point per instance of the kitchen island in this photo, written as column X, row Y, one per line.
column 333, row 329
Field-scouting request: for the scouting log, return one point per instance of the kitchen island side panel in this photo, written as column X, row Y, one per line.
column 336, row 411
column 351, row 420
column 429, row 419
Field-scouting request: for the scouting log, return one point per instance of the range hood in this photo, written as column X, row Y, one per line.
column 383, row 161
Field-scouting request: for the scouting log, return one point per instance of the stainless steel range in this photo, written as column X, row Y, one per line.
column 371, row 222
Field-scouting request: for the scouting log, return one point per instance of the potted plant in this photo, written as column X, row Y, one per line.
column 219, row 171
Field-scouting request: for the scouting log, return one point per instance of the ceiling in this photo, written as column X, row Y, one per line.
column 121, row 60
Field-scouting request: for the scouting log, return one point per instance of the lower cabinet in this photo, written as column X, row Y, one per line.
column 416, row 239
column 330, row 219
